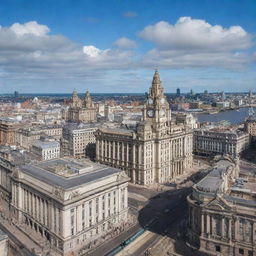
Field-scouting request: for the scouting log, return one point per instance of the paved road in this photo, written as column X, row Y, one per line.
column 163, row 210
column 109, row 246
column 23, row 249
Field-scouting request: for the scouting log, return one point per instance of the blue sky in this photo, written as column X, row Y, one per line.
column 114, row 46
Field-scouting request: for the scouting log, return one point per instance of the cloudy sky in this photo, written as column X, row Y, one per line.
column 115, row 45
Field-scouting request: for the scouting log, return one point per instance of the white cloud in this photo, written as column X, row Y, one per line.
column 124, row 42
column 29, row 54
column 92, row 51
column 196, row 43
column 28, row 48
column 31, row 27
column 196, row 34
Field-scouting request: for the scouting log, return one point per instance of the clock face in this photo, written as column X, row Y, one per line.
column 150, row 113
column 150, row 101
column 162, row 112
column 162, row 101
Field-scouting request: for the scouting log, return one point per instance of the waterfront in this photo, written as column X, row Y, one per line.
column 232, row 116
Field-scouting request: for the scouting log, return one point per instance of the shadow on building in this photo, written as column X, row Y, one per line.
column 166, row 214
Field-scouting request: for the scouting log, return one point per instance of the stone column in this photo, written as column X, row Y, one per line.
column 123, row 159
column 139, row 165
column 208, row 224
column 102, row 151
column 114, row 151
column 109, row 151
column 97, row 149
column 57, row 219
column 230, row 229
column 127, row 154
column 118, row 152
column 223, row 227
column 202, row 223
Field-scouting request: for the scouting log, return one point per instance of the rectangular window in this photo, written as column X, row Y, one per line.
column 217, row 248
column 90, row 208
column 97, row 205
column 72, row 220
column 241, row 251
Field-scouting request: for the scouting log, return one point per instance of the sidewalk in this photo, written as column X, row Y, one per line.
column 20, row 236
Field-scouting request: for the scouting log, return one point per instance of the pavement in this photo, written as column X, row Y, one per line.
column 20, row 240
column 110, row 245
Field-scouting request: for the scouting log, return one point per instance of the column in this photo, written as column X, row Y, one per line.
column 202, row 223
column 208, row 224
column 109, row 151
column 139, row 164
column 223, row 227
column 123, row 159
column 230, row 229
column 133, row 163
column 118, row 152
column 127, row 154
column 97, row 149
column 114, row 151
column 102, row 151
column 46, row 214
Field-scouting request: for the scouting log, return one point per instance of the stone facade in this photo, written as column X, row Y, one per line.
column 4, row 244
column 79, row 139
column 25, row 137
column 222, row 208
column 82, row 110
column 210, row 142
column 7, row 132
column 46, row 150
column 250, row 125
column 156, row 151
column 69, row 203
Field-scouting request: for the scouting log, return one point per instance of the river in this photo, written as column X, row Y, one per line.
column 232, row 116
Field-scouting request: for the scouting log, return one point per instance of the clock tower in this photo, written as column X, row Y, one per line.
column 156, row 108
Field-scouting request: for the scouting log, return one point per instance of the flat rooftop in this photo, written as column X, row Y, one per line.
column 46, row 144
column 242, row 185
column 213, row 180
column 67, row 172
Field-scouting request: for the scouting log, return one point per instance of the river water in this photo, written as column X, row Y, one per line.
column 232, row 116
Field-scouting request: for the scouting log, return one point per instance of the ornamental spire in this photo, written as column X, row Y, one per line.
column 156, row 89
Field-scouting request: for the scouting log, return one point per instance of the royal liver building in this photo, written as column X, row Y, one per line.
column 156, row 151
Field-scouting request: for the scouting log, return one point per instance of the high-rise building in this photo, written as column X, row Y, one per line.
column 16, row 94
column 178, row 92
column 82, row 110
column 156, row 151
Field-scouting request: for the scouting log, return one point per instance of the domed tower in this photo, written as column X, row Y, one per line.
column 88, row 103
column 156, row 108
column 75, row 100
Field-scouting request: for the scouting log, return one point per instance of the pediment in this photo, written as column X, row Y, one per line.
column 218, row 204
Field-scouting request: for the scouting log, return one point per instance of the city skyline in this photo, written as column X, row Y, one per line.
column 53, row 47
